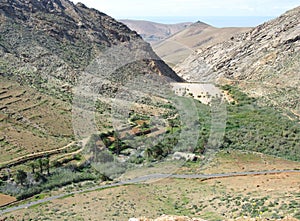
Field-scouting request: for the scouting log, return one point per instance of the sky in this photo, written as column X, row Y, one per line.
column 147, row 9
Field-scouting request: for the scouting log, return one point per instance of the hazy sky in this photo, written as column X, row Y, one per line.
column 147, row 8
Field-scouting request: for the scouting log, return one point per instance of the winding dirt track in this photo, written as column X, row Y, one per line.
column 33, row 156
column 145, row 179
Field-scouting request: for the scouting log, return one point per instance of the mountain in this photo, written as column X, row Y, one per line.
column 58, row 39
column 179, row 46
column 45, row 49
column 154, row 32
column 263, row 62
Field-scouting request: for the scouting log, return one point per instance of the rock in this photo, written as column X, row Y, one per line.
column 184, row 156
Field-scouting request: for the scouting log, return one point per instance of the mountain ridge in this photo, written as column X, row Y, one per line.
column 59, row 39
column 263, row 62
column 152, row 31
column 46, row 47
column 179, row 46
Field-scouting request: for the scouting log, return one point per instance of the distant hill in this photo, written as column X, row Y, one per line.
column 153, row 32
column 179, row 46
column 263, row 62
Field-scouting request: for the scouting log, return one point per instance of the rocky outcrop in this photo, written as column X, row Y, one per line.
column 264, row 62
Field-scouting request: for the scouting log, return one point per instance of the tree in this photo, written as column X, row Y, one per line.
column 38, row 176
column 33, row 166
column 148, row 152
column 117, row 144
column 145, row 125
column 40, row 163
column 21, row 177
column 169, row 145
column 172, row 124
column 158, row 151
column 46, row 163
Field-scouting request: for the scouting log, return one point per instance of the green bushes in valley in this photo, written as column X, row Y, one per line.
column 254, row 128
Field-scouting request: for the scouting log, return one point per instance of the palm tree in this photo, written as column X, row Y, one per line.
column 117, row 143
column 169, row 145
column 46, row 163
column 32, row 164
column 21, row 177
column 158, row 150
column 172, row 124
column 148, row 152
column 40, row 162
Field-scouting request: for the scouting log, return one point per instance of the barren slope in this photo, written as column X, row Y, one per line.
column 264, row 62
column 44, row 48
column 176, row 48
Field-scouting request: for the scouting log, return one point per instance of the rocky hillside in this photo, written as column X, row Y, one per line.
column 179, row 46
column 45, row 47
column 154, row 32
column 264, row 62
column 45, row 41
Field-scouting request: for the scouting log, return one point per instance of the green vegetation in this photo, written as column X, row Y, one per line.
column 59, row 177
column 207, row 200
column 254, row 128
column 249, row 127
column 21, row 177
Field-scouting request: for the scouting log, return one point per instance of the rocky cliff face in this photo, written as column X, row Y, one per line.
column 264, row 62
column 50, row 42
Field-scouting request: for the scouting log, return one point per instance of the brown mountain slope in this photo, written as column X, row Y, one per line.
column 176, row 48
column 153, row 32
column 264, row 62
column 58, row 39
column 45, row 47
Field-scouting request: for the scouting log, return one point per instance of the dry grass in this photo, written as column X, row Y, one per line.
column 216, row 199
column 184, row 218
column 5, row 199
column 31, row 121
column 237, row 161
column 194, row 198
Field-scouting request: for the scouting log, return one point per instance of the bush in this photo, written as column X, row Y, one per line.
column 59, row 178
column 254, row 128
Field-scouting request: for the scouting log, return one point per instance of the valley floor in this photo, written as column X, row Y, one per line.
column 257, row 195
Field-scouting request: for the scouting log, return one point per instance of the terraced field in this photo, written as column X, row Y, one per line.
column 5, row 199
column 31, row 122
